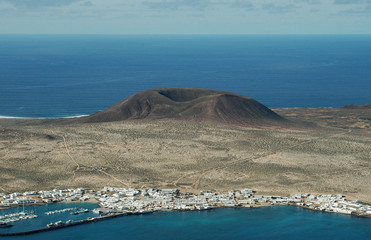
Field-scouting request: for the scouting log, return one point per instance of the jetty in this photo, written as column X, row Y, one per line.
column 60, row 224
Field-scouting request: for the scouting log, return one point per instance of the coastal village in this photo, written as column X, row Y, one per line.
column 122, row 201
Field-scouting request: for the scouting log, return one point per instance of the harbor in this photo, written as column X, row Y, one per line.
column 113, row 202
column 60, row 224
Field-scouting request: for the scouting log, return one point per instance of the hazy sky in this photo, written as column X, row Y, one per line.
column 186, row 16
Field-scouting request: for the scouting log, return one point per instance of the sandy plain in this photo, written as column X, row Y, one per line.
column 192, row 156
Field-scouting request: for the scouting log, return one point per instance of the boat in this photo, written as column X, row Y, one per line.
column 55, row 225
column 5, row 225
column 49, row 225
column 69, row 222
column 81, row 210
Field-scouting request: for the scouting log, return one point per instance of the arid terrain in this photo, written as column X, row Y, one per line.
column 334, row 157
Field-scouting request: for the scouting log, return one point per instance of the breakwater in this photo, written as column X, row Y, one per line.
column 75, row 223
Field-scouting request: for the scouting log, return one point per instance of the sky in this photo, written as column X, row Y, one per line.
column 185, row 16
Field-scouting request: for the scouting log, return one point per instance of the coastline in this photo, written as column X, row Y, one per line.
column 116, row 202
column 299, row 152
column 115, row 215
column 42, row 118
column 355, row 107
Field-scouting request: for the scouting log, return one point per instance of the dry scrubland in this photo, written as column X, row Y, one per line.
column 335, row 158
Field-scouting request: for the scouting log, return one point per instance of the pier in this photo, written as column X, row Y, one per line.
column 65, row 225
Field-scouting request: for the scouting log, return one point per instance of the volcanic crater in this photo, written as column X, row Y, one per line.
column 190, row 104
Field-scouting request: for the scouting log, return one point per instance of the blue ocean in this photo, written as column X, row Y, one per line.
column 278, row 222
column 53, row 76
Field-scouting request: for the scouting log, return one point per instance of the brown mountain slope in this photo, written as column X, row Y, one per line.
column 189, row 104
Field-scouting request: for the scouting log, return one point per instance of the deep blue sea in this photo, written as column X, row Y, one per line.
column 69, row 75
column 279, row 222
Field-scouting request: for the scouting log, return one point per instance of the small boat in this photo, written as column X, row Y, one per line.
column 55, row 225
column 49, row 225
column 81, row 210
column 69, row 222
column 5, row 225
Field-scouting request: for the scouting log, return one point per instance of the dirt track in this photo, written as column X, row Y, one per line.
column 193, row 156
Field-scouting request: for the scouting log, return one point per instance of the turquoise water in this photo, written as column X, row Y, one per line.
column 279, row 222
column 67, row 75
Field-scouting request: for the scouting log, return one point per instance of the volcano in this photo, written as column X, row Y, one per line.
column 189, row 104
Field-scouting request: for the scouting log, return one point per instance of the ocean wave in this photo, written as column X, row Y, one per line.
column 77, row 116
column 9, row 117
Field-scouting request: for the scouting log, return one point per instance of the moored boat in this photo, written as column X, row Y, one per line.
column 5, row 225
